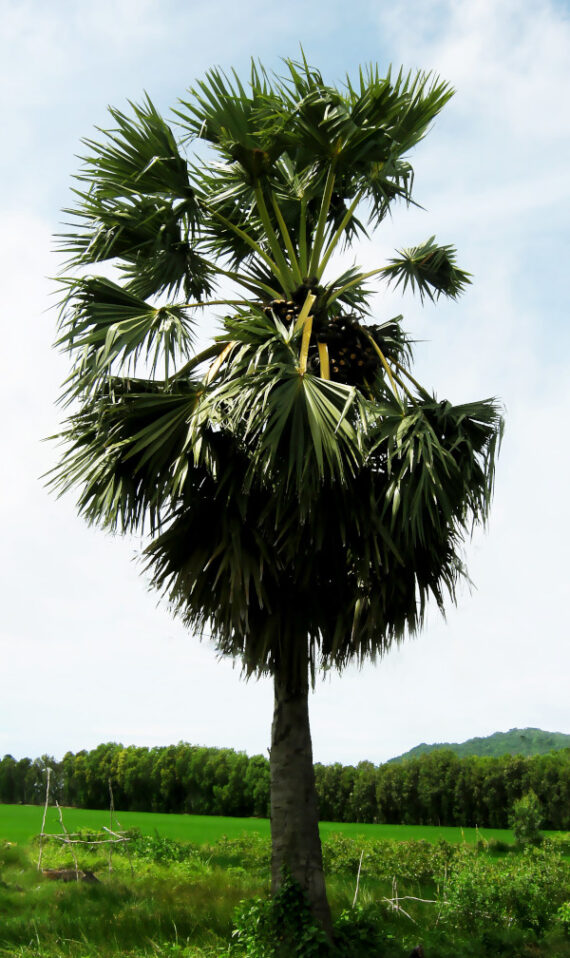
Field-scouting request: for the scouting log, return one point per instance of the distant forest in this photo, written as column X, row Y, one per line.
column 517, row 741
column 438, row 788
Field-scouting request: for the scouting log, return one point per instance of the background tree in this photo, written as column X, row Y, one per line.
column 302, row 493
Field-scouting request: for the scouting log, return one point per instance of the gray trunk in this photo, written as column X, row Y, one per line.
column 296, row 844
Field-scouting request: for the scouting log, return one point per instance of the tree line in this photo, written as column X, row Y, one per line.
column 435, row 789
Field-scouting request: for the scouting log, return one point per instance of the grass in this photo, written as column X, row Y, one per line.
column 165, row 900
column 144, row 914
column 20, row 823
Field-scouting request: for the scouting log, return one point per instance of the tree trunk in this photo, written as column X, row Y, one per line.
column 295, row 839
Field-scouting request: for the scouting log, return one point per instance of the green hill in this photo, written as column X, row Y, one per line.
column 517, row 741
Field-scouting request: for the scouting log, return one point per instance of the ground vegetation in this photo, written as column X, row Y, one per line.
column 166, row 898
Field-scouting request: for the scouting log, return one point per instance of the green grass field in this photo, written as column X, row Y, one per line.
column 20, row 823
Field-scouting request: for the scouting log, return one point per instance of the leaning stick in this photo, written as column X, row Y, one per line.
column 357, row 879
column 44, row 818
column 68, row 841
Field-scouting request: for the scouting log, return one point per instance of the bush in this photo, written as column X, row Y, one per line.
column 560, row 843
column 279, row 927
column 526, row 819
column 523, row 891
column 495, row 846
column 413, row 861
column 250, row 851
column 563, row 917
column 361, row 931
column 159, row 849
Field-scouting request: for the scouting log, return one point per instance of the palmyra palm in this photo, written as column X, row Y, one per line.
column 302, row 494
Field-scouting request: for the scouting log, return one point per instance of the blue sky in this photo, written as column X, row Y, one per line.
column 86, row 653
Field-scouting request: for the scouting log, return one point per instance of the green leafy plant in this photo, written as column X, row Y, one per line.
column 418, row 861
column 526, row 819
column 523, row 890
column 560, row 843
column 279, row 927
column 563, row 916
column 157, row 848
column 360, row 931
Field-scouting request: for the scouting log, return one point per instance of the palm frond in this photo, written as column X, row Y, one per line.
column 430, row 269
column 246, row 127
column 126, row 450
column 440, row 463
column 105, row 326
column 296, row 425
column 139, row 156
column 139, row 208
column 349, row 289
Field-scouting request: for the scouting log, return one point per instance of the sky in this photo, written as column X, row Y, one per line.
column 87, row 653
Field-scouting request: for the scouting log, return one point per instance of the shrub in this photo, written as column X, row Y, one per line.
column 560, row 843
column 525, row 820
column 563, row 916
column 413, row 861
column 154, row 848
column 10, row 854
column 495, row 846
column 523, row 890
column 361, row 931
column 279, row 927
column 250, row 851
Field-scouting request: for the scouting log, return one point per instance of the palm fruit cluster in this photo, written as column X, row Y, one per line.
column 352, row 357
column 284, row 309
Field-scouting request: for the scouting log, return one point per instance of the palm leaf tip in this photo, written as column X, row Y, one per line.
column 429, row 268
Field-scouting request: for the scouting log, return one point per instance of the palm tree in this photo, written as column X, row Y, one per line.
column 302, row 494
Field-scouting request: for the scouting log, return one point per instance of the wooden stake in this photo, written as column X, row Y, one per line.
column 44, row 818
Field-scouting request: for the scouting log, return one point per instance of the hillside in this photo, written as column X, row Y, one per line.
column 526, row 741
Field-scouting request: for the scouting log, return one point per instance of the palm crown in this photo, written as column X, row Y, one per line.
column 294, row 478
